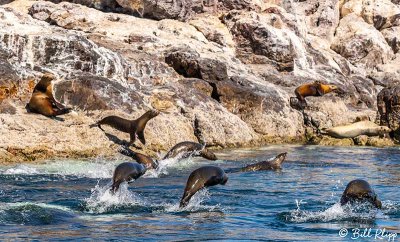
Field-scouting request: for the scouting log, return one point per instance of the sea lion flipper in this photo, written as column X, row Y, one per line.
column 189, row 193
column 140, row 135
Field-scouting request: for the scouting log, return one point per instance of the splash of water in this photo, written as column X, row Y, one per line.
column 102, row 200
column 166, row 164
column 336, row 213
column 194, row 205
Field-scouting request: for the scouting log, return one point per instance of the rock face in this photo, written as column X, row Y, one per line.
column 220, row 71
column 388, row 107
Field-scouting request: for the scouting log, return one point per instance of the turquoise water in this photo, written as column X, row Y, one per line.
column 69, row 200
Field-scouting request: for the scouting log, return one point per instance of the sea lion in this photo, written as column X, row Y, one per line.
column 43, row 101
column 188, row 148
column 355, row 129
column 205, row 176
column 314, row 89
column 145, row 160
column 274, row 164
column 135, row 128
column 360, row 191
column 126, row 172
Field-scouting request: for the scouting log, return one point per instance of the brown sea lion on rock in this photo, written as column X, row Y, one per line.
column 135, row 127
column 188, row 148
column 200, row 178
column 145, row 160
column 126, row 172
column 360, row 191
column 43, row 101
column 314, row 89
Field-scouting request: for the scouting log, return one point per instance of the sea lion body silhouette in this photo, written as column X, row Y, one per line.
column 274, row 164
column 200, row 178
column 355, row 129
column 312, row 89
column 188, row 148
column 135, row 128
column 145, row 160
column 43, row 101
column 360, row 191
column 126, row 172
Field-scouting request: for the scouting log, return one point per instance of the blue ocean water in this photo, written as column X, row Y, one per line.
column 69, row 200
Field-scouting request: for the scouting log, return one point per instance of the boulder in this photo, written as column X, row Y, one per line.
column 361, row 43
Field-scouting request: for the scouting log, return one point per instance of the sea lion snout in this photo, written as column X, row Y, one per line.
column 225, row 179
column 153, row 113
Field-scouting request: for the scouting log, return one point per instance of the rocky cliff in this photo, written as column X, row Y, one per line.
column 221, row 72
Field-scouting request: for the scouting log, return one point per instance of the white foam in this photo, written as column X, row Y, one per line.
column 335, row 213
column 95, row 169
column 195, row 203
column 102, row 200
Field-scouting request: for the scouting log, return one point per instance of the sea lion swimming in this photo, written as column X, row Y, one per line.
column 314, row 89
column 135, row 127
column 126, row 172
column 202, row 177
column 274, row 164
column 188, row 148
column 355, row 129
column 145, row 160
column 43, row 101
column 360, row 191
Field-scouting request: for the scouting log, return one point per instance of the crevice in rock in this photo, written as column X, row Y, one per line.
column 214, row 94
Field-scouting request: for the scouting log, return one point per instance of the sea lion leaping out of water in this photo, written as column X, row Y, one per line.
column 126, row 172
column 314, row 89
column 43, row 101
column 135, row 127
column 200, row 178
column 360, row 191
column 147, row 161
column 188, row 148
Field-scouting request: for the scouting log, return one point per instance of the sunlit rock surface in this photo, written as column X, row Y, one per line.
column 221, row 72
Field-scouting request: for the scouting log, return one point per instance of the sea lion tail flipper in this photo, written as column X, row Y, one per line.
column 189, row 193
column 126, row 151
column 62, row 111
column 114, row 187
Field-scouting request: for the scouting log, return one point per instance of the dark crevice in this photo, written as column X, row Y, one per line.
column 214, row 94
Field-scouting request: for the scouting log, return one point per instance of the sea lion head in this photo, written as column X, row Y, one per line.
column 153, row 113
column 208, row 154
column 224, row 179
column 326, row 88
column 384, row 130
column 44, row 82
column 360, row 191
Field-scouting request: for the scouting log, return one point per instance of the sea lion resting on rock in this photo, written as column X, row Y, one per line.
column 188, row 148
column 126, row 172
column 355, row 129
column 360, row 191
column 145, row 160
column 205, row 176
column 43, row 101
column 312, row 89
column 133, row 127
